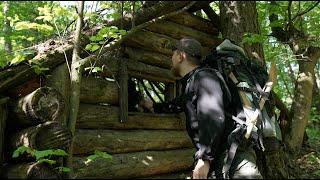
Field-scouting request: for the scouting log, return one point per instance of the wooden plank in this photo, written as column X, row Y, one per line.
column 134, row 165
column 107, row 117
column 117, row 141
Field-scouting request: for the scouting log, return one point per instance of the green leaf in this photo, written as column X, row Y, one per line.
column 22, row 149
column 60, row 152
column 97, row 69
column 49, row 161
column 63, row 169
column 103, row 154
column 42, row 154
column 17, row 59
column 95, row 47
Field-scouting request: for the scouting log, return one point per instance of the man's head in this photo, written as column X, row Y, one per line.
column 186, row 55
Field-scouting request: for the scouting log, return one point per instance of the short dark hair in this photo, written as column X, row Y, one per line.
column 191, row 47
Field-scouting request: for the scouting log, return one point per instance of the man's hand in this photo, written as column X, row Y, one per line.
column 147, row 104
column 201, row 170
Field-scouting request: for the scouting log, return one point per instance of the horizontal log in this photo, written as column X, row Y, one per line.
column 178, row 31
column 98, row 90
column 156, row 42
column 148, row 57
column 195, row 22
column 42, row 105
column 133, row 165
column 186, row 174
column 112, row 141
column 151, row 41
column 49, row 135
column 29, row 170
column 135, row 69
column 107, row 117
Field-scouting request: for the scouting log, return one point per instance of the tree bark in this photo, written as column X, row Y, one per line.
column 42, row 105
column 106, row 117
column 30, row 170
column 123, row 91
column 240, row 17
column 134, row 165
column 50, row 135
column 115, row 141
column 98, row 90
column 75, row 77
column 301, row 107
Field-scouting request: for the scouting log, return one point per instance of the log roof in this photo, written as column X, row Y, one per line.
column 145, row 48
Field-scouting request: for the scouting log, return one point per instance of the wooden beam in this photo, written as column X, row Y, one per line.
column 178, row 31
column 3, row 119
column 194, row 22
column 134, row 165
column 123, row 92
column 115, row 141
column 148, row 57
column 106, row 117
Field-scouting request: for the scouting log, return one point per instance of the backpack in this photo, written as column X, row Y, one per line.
column 249, row 78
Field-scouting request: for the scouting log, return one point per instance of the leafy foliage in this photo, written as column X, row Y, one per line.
column 98, row 154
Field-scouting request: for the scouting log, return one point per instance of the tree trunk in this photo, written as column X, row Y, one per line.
column 114, row 142
column 50, row 135
column 106, row 117
column 30, row 170
column 75, row 77
column 98, row 90
column 134, row 165
column 240, row 17
column 7, row 28
column 123, row 91
column 42, row 105
column 301, row 107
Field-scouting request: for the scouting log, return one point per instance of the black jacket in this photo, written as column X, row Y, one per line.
column 203, row 100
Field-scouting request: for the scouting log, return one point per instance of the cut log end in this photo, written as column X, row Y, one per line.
column 47, row 103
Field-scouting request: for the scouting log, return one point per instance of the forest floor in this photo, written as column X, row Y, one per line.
column 307, row 164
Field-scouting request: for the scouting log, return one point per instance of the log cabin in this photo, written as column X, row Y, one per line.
column 142, row 144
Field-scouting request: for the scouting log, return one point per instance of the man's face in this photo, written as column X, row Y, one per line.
column 175, row 62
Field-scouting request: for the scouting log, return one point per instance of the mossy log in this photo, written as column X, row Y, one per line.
column 50, row 135
column 29, row 170
column 148, row 57
column 178, row 31
column 195, row 22
column 113, row 141
column 42, row 105
column 133, row 165
column 107, row 117
column 99, row 90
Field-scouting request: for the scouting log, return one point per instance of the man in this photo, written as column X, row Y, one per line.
column 204, row 97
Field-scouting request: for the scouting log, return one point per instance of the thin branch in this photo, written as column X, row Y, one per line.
column 289, row 15
column 146, row 90
column 306, row 11
column 155, row 91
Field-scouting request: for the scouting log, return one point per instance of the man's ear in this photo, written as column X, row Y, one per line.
column 182, row 56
